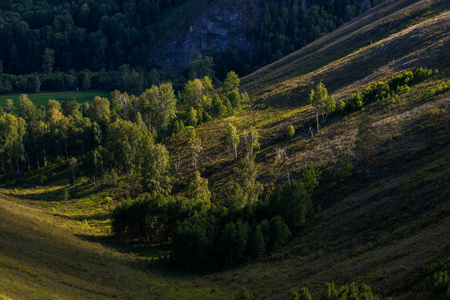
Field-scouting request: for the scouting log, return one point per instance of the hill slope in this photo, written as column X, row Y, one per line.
column 380, row 230
column 44, row 255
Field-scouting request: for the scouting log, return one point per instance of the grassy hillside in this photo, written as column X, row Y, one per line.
column 379, row 230
column 44, row 254
column 388, row 230
column 388, row 39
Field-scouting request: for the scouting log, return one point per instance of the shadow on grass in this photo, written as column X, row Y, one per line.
column 148, row 256
column 95, row 217
column 85, row 190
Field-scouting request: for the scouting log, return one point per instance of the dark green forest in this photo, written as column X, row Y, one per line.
column 105, row 44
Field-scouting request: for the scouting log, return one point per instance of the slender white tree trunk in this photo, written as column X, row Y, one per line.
column 317, row 119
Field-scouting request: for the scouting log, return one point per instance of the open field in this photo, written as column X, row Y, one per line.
column 42, row 98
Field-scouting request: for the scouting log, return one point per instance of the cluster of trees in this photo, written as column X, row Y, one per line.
column 83, row 34
column 96, row 137
column 384, row 92
column 208, row 236
column 202, row 104
column 227, row 236
column 112, row 137
column 124, row 78
column 152, row 217
column 441, row 88
column 330, row 292
column 50, row 36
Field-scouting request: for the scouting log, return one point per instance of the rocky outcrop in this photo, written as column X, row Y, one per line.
column 367, row 4
column 217, row 26
column 223, row 25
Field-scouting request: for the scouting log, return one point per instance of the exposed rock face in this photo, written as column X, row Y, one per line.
column 367, row 4
column 219, row 27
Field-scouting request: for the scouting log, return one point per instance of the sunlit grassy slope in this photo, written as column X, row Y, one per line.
column 386, row 40
column 384, row 230
column 42, row 98
column 45, row 255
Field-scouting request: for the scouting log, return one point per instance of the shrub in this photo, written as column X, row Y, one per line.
column 290, row 132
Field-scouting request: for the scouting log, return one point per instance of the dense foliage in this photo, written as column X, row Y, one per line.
column 105, row 44
column 330, row 292
column 210, row 237
column 385, row 92
column 83, row 34
column 110, row 137
column 277, row 28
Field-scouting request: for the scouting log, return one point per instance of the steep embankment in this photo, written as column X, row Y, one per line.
column 380, row 230
column 388, row 39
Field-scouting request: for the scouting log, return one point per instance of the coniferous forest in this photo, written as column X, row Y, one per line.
column 106, row 44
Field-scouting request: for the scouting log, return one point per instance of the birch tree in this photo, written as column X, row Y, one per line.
column 231, row 138
column 251, row 142
column 196, row 147
column 321, row 101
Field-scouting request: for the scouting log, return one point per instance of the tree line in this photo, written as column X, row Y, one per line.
column 124, row 79
column 119, row 135
column 278, row 28
column 83, row 34
column 104, row 36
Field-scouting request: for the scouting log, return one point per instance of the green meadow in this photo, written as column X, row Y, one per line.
column 42, row 98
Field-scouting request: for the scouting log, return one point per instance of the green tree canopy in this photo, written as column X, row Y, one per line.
column 231, row 83
column 231, row 138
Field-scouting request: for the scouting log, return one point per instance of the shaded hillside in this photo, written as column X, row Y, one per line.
column 380, row 230
column 385, row 224
column 280, row 91
column 43, row 256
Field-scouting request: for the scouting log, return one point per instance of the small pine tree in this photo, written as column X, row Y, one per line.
column 310, row 177
column 33, row 84
column 290, row 132
column 279, row 233
column 257, row 246
column 86, row 82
